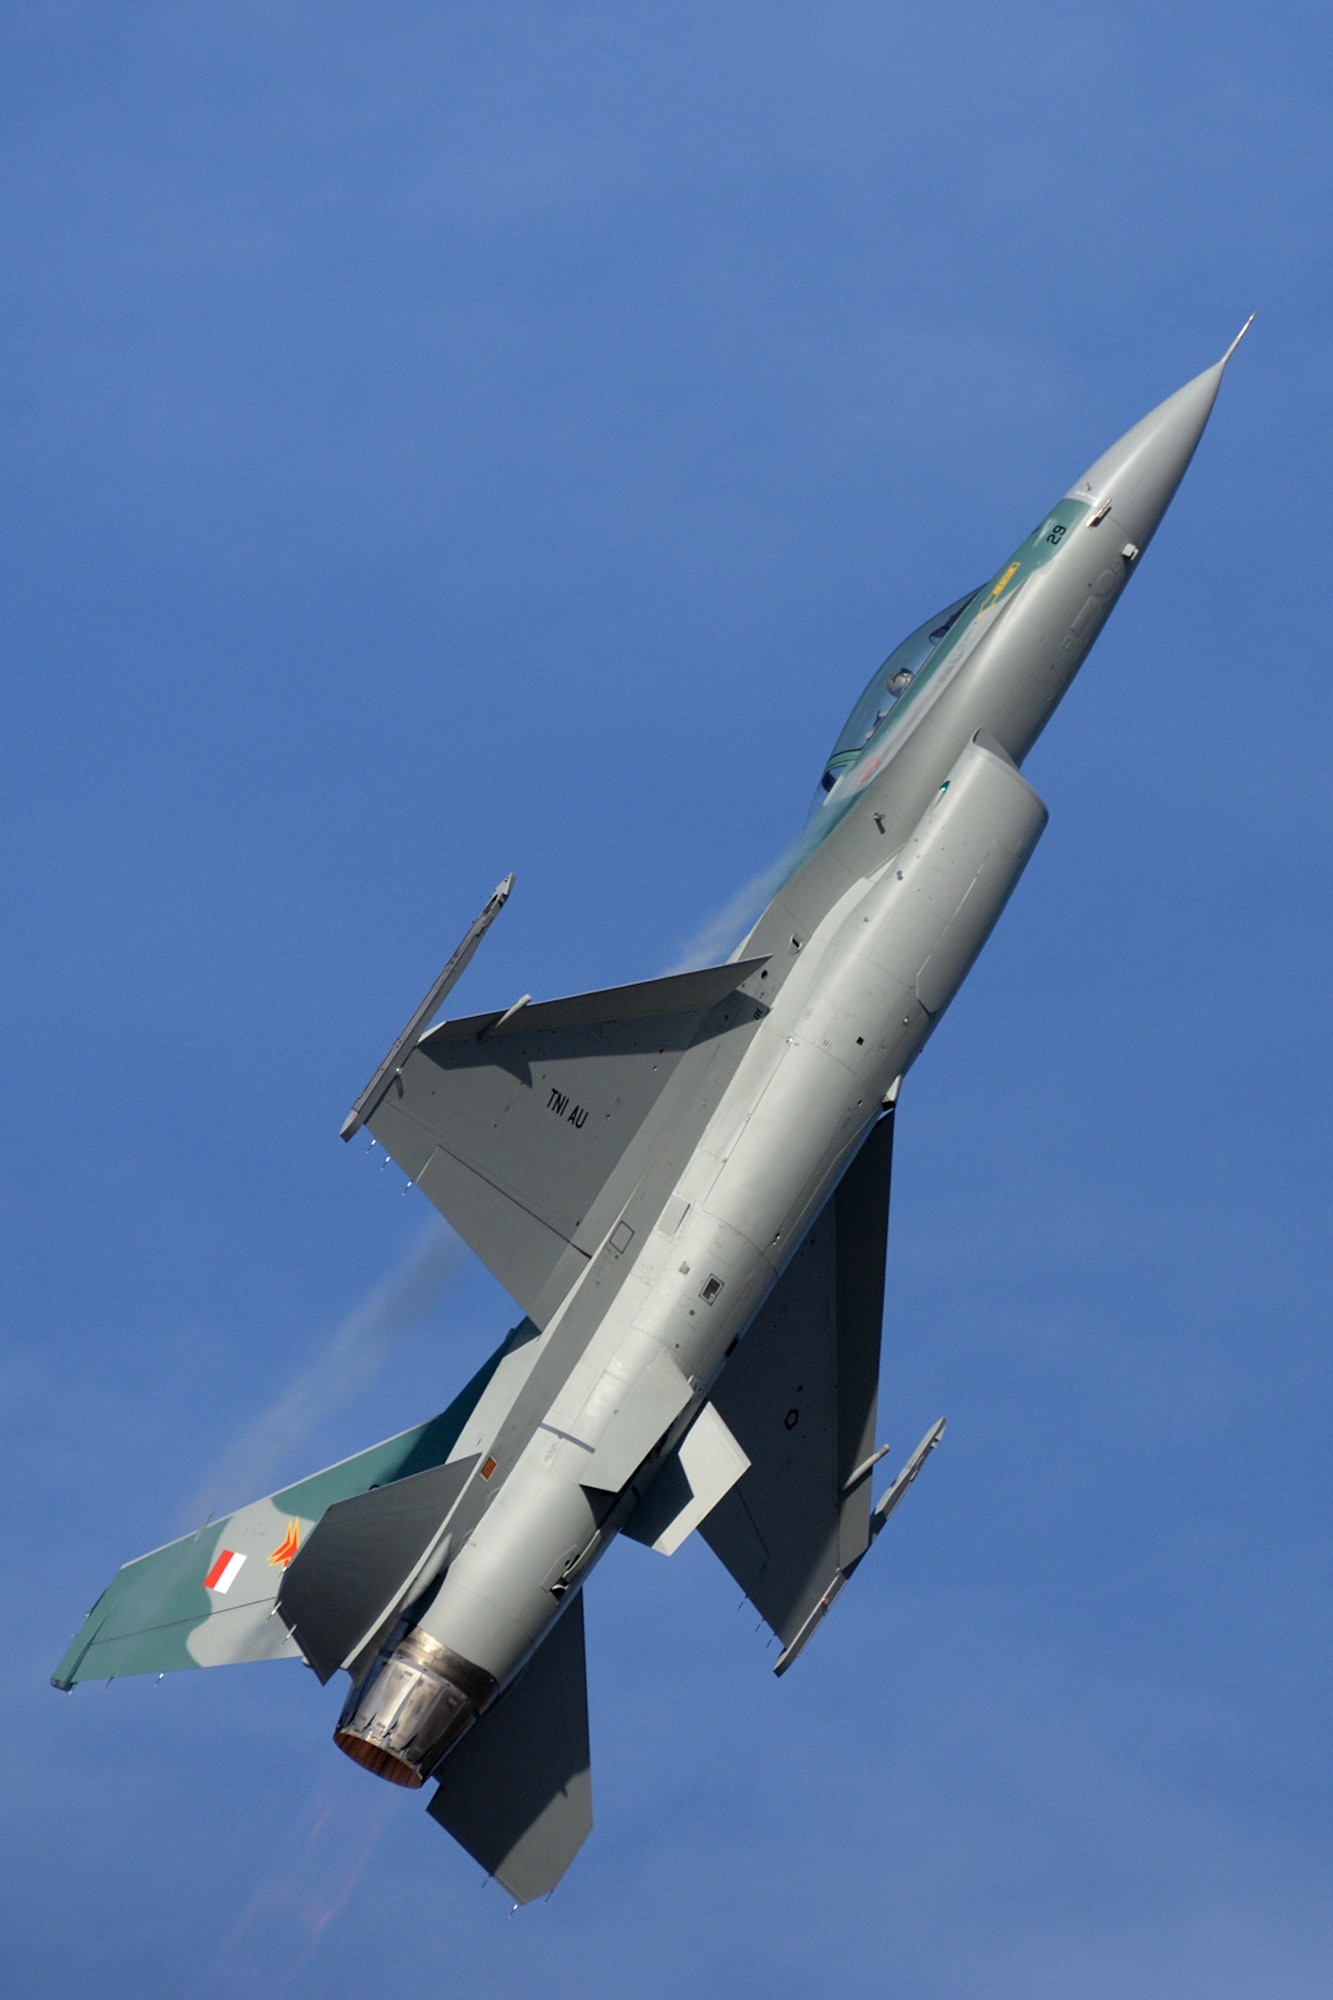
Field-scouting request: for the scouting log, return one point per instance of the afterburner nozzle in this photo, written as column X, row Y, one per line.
column 412, row 1707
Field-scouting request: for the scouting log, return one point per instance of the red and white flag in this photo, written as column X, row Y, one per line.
column 224, row 1572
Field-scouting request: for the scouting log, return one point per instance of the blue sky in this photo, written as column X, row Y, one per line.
column 440, row 441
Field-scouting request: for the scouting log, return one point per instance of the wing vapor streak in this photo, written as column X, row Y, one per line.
column 346, row 1364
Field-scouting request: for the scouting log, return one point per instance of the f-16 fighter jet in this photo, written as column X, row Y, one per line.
column 684, row 1185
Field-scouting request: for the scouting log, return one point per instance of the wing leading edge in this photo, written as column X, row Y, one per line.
column 528, row 1129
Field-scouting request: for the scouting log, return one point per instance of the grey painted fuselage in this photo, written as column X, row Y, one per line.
column 684, row 1184
column 907, row 863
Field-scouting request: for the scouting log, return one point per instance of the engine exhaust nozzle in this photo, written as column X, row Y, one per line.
column 412, row 1707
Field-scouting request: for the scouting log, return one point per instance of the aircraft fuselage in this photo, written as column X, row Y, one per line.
column 903, row 869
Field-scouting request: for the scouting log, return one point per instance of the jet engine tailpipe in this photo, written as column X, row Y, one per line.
column 413, row 1705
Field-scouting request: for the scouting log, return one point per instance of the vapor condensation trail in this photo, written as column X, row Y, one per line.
column 348, row 1362
column 720, row 935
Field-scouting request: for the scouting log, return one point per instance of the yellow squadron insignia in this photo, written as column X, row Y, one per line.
column 287, row 1547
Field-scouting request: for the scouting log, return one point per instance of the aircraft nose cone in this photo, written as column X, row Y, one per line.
column 1140, row 473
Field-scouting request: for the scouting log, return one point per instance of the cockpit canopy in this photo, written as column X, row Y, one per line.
column 885, row 690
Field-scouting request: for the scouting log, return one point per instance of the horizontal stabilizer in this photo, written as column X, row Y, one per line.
column 528, row 1128
column 209, row 1599
column 367, row 1558
column 517, row 1792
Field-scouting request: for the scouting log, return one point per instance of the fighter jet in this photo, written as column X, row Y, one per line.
column 684, row 1186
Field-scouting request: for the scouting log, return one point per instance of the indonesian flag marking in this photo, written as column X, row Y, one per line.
column 224, row 1572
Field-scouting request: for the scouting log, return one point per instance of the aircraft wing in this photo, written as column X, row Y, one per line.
column 208, row 1600
column 529, row 1128
column 799, row 1397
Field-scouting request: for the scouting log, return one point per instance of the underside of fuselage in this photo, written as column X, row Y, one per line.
column 684, row 1186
